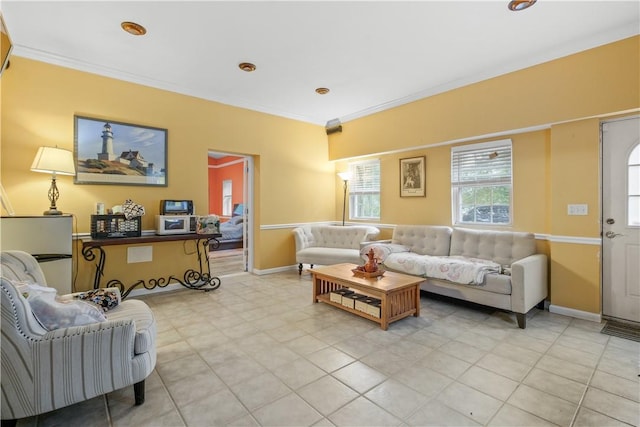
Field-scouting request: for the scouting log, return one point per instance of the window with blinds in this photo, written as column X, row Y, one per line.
column 364, row 190
column 481, row 183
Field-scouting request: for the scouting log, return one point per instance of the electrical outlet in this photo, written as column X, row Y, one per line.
column 581, row 209
column 139, row 254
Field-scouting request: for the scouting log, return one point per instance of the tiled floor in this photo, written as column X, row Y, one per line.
column 258, row 352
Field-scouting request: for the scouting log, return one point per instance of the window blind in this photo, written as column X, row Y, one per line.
column 482, row 164
column 365, row 177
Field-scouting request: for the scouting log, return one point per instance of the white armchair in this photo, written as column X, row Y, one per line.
column 45, row 370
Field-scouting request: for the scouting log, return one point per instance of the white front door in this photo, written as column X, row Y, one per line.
column 621, row 219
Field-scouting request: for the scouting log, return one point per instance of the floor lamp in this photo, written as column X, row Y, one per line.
column 344, row 176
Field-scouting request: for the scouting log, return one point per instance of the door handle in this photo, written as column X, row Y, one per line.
column 612, row 235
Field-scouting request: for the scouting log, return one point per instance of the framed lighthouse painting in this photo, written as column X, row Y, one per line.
column 111, row 152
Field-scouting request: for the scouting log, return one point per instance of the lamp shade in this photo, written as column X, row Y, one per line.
column 54, row 160
column 345, row 176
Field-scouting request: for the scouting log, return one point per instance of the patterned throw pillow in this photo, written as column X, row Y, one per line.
column 105, row 298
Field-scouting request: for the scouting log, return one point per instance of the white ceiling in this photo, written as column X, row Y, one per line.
column 373, row 55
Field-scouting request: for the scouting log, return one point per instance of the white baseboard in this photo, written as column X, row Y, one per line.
column 578, row 314
column 274, row 270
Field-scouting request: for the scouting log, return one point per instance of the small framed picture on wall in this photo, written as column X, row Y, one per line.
column 413, row 181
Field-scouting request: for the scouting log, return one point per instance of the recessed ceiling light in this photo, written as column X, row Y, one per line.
column 247, row 66
column 322, row 90
column 133, row 28
column 516, row 5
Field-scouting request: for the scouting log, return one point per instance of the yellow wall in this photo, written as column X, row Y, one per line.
column 552, row 167
column 295, row 177
column 38, row 105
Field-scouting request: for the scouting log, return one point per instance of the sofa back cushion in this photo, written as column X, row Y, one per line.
column 334, row 236
column 423, row 239
column 502, row 247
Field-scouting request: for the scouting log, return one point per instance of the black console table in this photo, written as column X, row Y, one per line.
column 201, row 279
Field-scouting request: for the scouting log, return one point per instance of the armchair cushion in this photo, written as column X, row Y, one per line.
column 53, row 313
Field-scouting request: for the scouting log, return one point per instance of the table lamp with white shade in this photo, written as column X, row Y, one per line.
column 53, row 160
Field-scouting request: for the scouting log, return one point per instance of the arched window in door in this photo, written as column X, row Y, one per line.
column 633, row 188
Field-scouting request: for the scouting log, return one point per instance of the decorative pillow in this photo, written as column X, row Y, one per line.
column 132, row 210
column 382, row 250
column 53, row 314
column 236, row 220
column 105, row 298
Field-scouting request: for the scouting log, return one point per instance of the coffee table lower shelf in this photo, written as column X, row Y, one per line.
column 399, row 294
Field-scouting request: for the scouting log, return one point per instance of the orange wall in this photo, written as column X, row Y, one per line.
column 234, row 172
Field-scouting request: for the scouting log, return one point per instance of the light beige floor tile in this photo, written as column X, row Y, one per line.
column 482, row 342
column 517, row 353
column 488, row 382
column 429, row 339
column 260, row 390
column 574, row 355
column 170, row 419
column 408, row 349
column 244, row 421
column 566, row 369
column 478, row 406
column 186, row 390
column 290, row 410
column 362, row 412
column 588, row 418
column 522, row 340
column 510, row 416
column 213, row 410
column 356, row 347
column 385, row 361
column 396, row 398
column 629, row 389
column 444, row 364
column 171, row 352
column 425, row 380
column 582, row 344
column 286, row 332
column 462, row 350
column 617, row 407
column 330, row 359
column 437, row 414
column 327, row 394
column 359, row 376
column 503, row 366
column 183, row 367
column 298, row 373
column 324, row 422
column 543, row 405
column 305, row 344
column 556, row 385
column 274, row 356
column 238, row 370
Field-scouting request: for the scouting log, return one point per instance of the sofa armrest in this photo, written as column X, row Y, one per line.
column 302, row 238
column 529, row 282
column 363, row 244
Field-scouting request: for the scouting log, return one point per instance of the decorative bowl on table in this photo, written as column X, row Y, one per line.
column 360, row 272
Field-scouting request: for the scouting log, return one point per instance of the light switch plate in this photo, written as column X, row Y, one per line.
column 580, row 209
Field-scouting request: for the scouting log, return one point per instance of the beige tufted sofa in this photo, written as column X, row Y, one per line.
column 331, row 244
column 508, row 272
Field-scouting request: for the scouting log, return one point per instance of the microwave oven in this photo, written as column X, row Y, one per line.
column 176, row 224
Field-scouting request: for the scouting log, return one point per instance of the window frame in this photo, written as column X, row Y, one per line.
column 499, row 180
column 354, row 195
column 227, row 199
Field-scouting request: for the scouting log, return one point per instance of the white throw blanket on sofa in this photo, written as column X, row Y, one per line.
column 468, row 271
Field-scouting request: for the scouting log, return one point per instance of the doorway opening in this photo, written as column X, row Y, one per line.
column 230, row 198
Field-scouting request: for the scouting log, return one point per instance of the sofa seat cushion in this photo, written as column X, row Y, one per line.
column 145, row 322
column 328, row 256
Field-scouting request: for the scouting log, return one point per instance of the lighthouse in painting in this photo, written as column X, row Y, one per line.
column 107, row 144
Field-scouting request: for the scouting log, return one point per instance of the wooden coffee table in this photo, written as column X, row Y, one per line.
column 399, row 293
